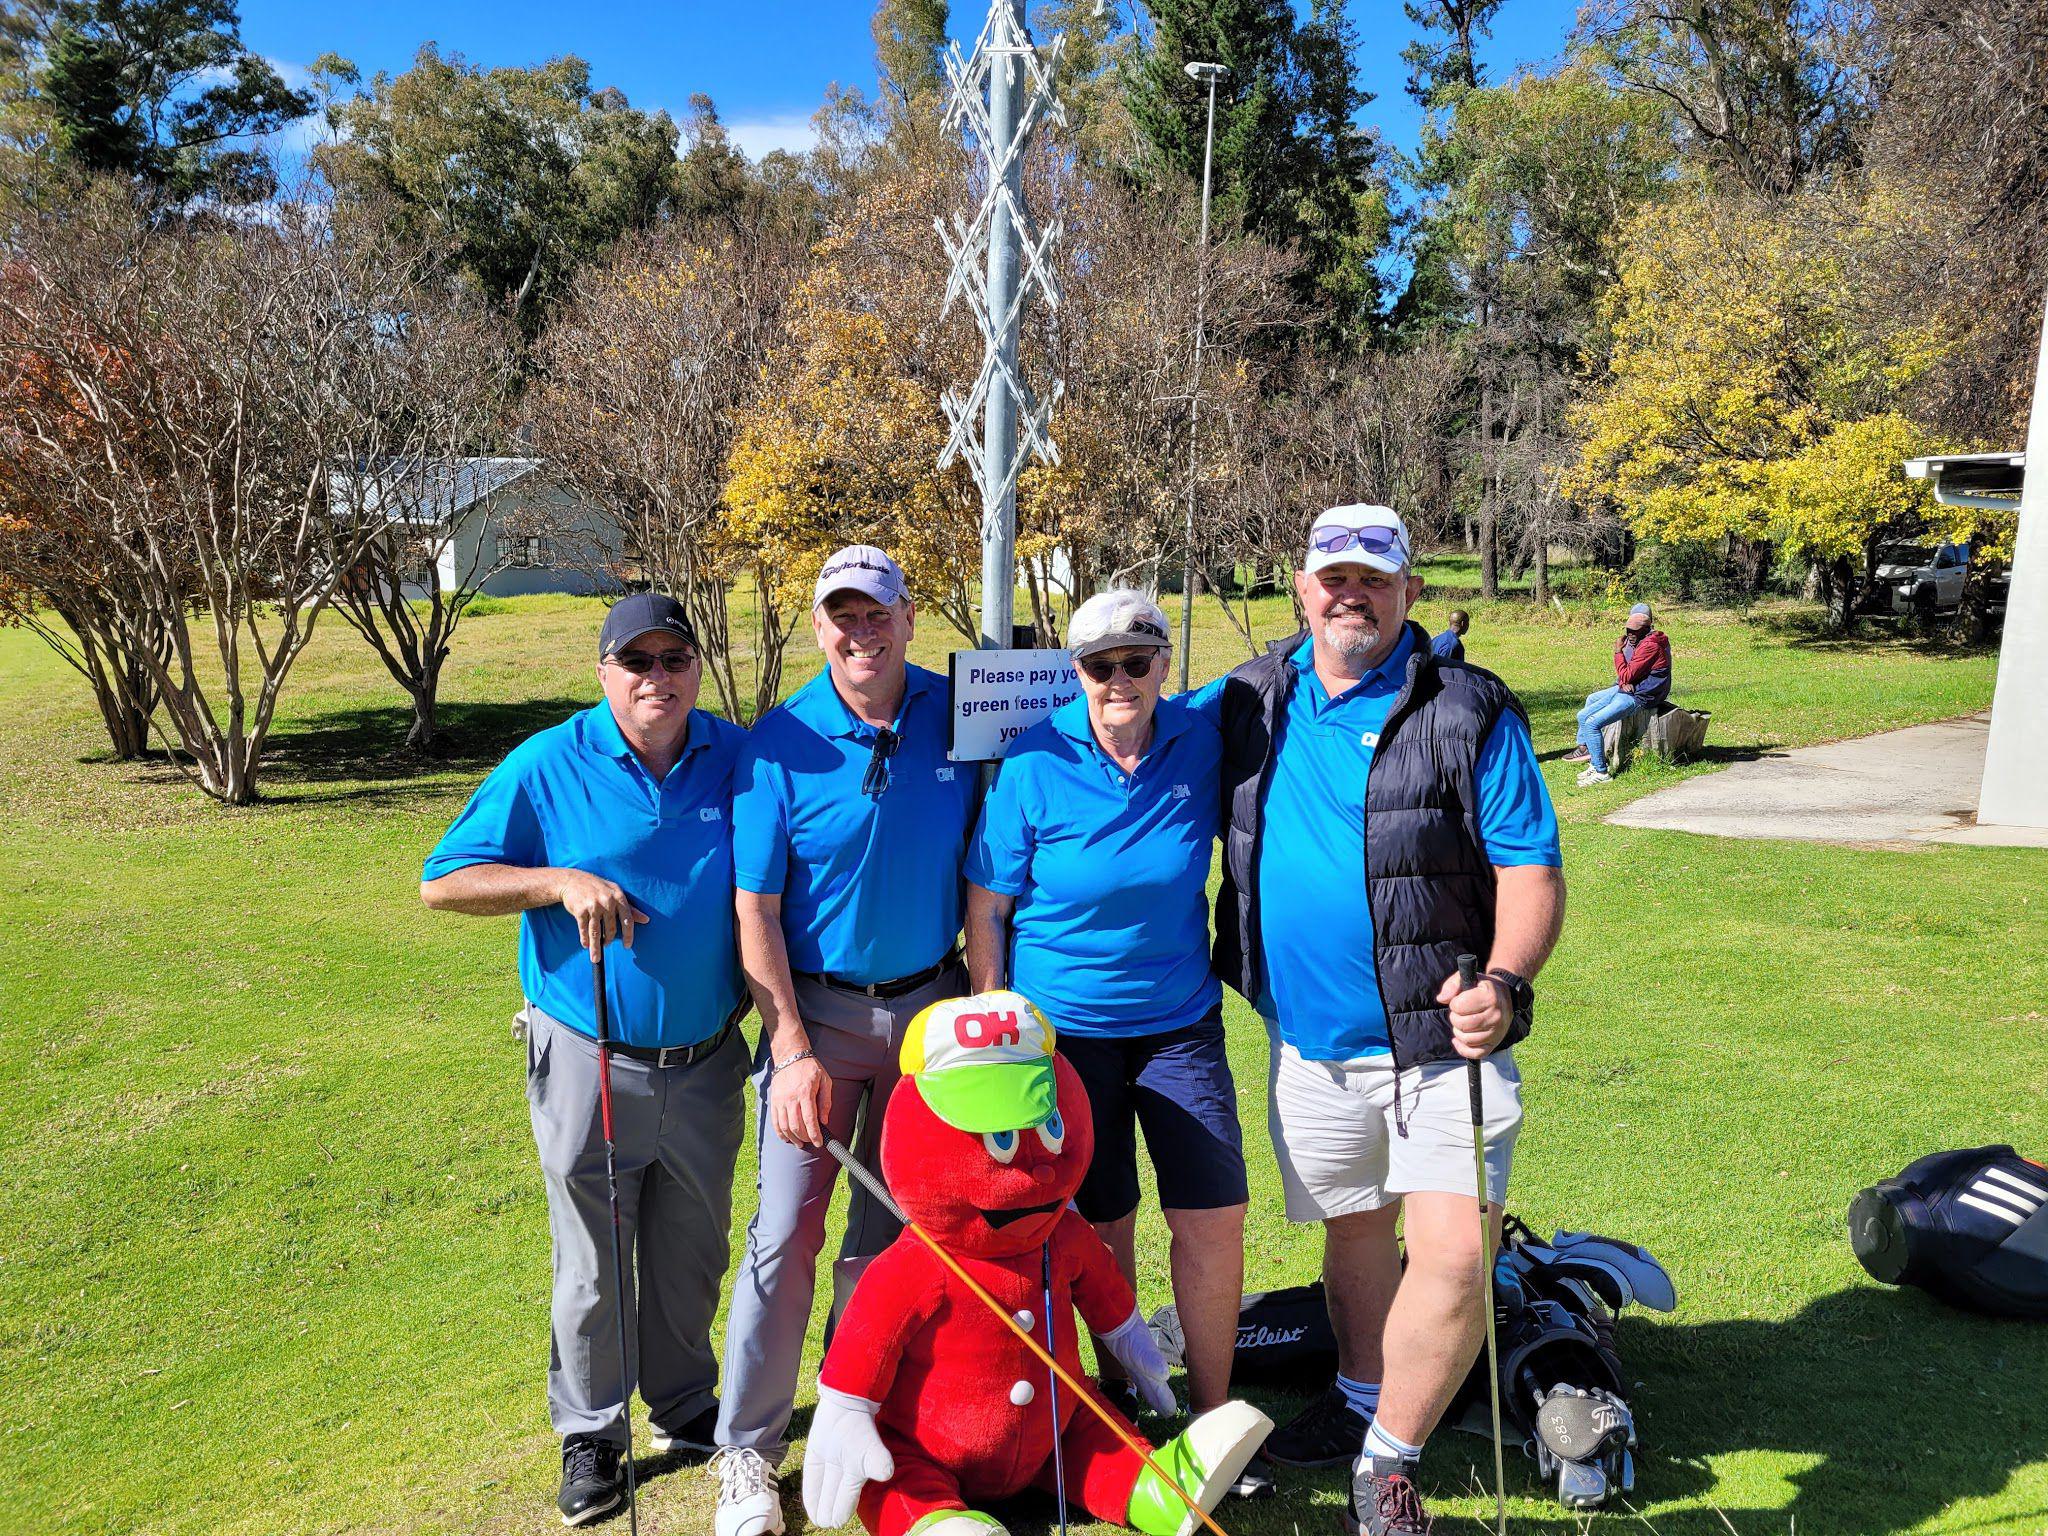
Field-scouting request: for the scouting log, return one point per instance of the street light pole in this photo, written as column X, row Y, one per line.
column 1211, row 73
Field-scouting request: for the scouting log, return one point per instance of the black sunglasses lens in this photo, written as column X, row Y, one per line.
column 1137, row 666
column 1133, row 667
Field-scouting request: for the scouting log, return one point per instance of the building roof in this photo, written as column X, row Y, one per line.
column 1973, row 479
column 423, row 492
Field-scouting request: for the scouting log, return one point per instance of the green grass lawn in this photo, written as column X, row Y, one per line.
column 275, row 1252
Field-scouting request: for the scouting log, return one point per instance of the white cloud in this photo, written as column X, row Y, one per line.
column 761, row 136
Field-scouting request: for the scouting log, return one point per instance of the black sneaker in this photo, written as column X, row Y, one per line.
column 1384, row 1501
column 1327, row 1433
column 1253, row 1483
column 1122, row 1396
column 696, row 1435
column 591, row 1483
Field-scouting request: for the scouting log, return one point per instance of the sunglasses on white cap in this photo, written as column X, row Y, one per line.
column 1376, row 539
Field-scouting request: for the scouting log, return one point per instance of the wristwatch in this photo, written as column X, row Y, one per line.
column 1515, row 990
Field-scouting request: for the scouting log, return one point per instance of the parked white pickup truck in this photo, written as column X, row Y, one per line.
column 1913, row 578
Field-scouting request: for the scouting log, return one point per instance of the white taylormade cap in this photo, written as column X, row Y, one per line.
column 864, row 569
column 1359, row 535
column 1110, row 619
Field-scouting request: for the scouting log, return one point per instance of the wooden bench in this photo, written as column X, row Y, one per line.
column 1669, row 732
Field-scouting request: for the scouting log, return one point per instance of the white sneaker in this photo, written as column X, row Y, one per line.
column 1595, row 776
column 749, row 1502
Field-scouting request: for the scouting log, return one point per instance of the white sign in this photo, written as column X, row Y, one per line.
column 997, row 695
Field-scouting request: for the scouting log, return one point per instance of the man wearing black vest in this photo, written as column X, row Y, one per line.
column 1384, row 814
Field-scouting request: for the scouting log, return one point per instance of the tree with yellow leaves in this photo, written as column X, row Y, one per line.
column 1748, row 397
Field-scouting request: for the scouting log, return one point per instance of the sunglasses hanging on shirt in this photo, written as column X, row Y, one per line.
column 876, row 779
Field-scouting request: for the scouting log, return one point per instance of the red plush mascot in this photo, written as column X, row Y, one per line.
column 927, row 1402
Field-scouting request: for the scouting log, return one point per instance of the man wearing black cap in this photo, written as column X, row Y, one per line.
column 612, row 832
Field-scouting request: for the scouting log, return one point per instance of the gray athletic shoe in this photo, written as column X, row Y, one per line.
column 1384, row 1501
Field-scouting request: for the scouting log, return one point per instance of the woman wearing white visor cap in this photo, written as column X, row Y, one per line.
column 1087, row 892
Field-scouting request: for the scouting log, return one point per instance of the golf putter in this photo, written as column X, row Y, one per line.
column 1468, row 978
column 611, row 1179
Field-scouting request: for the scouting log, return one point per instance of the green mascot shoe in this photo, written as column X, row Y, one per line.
column 958, row 1522
column 1204, row 1459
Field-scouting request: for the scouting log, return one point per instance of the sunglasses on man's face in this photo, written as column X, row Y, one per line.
column 1102, row 669
column 1375, row 540
column 640, row 663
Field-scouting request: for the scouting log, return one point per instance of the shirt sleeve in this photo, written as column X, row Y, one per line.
column 1207, row 700
column 999, row 855
column 760, row 821
column 1516, row 820
column 498, row 826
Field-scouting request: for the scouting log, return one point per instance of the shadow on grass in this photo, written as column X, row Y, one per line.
column 360, row 754
column 1899, row 1406
column 1810, row 630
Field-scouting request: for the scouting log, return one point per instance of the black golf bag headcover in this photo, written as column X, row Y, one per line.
column 1970, row 1227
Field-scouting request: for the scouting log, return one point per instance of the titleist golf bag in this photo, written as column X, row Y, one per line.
column 1562, row 1390
column 1969, row 1226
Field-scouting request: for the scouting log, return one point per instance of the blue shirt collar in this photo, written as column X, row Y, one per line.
column 819, row 705
column 604, row 734
column 1391, row 673
column 1169, row 719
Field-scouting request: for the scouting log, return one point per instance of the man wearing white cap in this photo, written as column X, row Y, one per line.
column 1384, row 815
column 848, row 829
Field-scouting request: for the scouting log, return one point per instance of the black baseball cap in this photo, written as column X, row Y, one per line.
column 638, row 614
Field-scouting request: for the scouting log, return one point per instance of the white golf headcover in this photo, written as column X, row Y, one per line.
column 1138, row 1353
column 844, row 1452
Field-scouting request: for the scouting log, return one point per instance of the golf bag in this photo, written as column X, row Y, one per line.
column 1969, row 1226
column 1562, row 1391
column 1563, row 1395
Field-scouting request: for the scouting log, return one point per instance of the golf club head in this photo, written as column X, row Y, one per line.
column 1578, row 1424
column 1581, row 1484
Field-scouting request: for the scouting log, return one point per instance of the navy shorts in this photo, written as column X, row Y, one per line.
column 1177, row 1085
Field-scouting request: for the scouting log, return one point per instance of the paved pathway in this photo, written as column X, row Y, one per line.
column 1895, row 789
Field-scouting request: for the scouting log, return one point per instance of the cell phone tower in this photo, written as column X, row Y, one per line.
column 999, row 96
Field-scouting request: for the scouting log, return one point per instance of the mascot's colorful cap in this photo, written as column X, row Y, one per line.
column 983, row 1063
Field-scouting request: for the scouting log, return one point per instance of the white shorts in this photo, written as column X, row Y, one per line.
column 1340, row 1150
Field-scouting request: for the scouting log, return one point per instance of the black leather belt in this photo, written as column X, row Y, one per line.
column 896, row 988
column 674, row 1055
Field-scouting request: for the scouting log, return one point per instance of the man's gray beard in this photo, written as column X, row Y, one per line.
column 1350, row 643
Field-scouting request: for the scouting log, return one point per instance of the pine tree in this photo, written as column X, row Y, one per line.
column 1291, row 163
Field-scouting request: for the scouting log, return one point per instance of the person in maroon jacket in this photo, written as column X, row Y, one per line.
column 1642, row 680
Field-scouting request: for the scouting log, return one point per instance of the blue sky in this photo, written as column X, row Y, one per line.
column 766, row 63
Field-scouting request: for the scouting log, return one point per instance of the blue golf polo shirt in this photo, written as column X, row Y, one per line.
column 575, row 797
column 1110, row 932
column 1315, row 928
column 870, row 885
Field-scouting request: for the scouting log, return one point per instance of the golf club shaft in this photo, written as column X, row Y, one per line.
column 611, row 1180
column 1131, row 1443
column 1052, row 1344
column 1468, row 978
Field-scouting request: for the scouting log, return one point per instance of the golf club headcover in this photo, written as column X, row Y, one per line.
column 1969, row 1226
column 844, row 1453
column 1134, row 1348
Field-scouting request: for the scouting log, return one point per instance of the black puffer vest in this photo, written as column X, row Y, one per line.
column 1426, row 875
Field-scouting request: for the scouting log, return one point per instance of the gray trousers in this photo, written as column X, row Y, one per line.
column 676, row 1134
column 856, row 1039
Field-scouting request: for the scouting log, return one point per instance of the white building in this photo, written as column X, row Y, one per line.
column 498, row 525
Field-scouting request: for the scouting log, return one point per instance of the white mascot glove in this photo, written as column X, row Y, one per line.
column 844, row 1452
column 1138, row 1354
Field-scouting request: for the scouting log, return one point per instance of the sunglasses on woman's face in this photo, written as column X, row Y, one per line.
column 1375, row 540
column 1102, row 669
column 640, row 663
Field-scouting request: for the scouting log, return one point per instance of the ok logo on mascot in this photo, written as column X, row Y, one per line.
column 927, row 1403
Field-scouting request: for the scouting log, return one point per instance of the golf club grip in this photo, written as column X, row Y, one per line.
column 603, row 1004
column 1468, row 978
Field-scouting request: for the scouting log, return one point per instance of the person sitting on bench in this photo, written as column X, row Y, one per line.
column 1642, row 680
